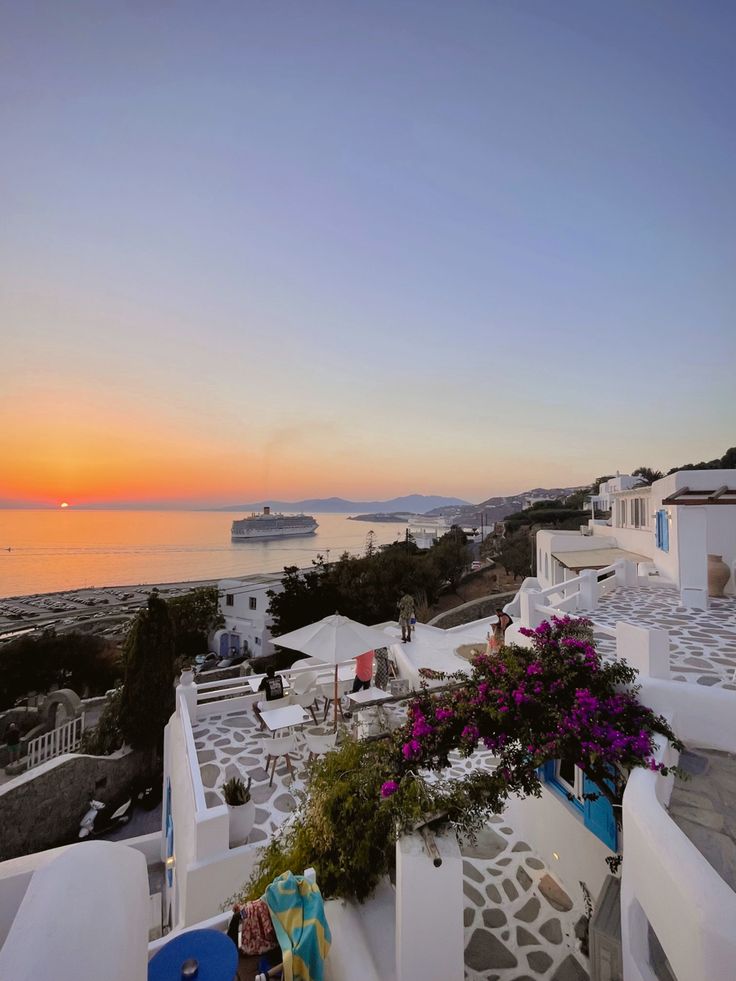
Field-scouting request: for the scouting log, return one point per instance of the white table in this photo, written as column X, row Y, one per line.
column 368, row 696
column 284, row 718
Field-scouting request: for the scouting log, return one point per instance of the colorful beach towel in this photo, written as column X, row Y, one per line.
column 298, row 916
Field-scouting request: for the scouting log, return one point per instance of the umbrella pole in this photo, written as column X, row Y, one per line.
column 335, row 699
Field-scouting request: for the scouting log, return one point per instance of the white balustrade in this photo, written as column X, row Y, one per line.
column 64, row 739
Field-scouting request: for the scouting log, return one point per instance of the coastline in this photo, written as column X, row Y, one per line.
column 106, row 607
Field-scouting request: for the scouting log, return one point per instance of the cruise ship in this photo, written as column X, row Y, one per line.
column 267, row 525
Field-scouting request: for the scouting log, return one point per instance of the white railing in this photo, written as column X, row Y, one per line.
column 200, row 804
column 64, row 739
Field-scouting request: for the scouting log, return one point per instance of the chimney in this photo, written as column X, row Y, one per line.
column 267, row 510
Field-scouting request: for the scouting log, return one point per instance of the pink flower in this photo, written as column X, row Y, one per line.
column 389, row 788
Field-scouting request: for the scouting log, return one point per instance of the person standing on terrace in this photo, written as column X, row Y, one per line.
column 406, row 615
column 363, row 671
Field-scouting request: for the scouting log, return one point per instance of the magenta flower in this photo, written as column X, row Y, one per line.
column 389, row 788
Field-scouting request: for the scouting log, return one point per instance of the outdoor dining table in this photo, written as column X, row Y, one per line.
column 206, row 955
column 284, row 718
column 368, row 696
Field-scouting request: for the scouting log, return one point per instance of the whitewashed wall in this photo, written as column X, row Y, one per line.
column 84, row 916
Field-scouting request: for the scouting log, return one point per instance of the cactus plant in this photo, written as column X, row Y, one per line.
column 236, row 792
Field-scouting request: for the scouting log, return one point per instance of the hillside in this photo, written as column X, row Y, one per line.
column 497, row 508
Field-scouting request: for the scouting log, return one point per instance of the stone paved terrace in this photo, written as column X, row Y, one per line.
column 519, row 923
column 704, row 807
column 702, row 642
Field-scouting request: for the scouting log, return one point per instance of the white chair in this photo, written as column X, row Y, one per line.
column 303, row 682
column 326, row 690
column 306, row 700
column 278, row 747
column 318, row 745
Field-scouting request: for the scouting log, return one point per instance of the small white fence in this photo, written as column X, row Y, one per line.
column 64, row 739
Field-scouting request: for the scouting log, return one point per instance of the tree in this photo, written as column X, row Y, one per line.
column 193, row 616
column 37, row 663
column 370, row 544
column 514, row 553
column 647, row 475
column 450, row 556
column 147, row 701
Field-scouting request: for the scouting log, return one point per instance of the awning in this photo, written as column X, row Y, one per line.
column 596, row 558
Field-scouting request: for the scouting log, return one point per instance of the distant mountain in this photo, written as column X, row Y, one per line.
column 412, row 503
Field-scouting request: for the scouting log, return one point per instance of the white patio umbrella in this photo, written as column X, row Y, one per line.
column 334, row 640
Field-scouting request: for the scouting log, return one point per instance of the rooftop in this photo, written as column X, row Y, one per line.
column 702, row 642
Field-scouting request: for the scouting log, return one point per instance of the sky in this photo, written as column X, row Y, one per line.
column 290, row 249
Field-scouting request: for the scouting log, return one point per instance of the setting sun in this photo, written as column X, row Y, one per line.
column 63, row 504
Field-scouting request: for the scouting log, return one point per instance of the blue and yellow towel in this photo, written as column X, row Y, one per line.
column 298, row 916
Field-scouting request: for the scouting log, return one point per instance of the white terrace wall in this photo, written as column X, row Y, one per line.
column 206, row 870
column 666, row 882
column 86, row 937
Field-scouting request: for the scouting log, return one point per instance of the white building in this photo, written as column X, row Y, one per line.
column 515, row 897
column 426, row 529
column 602, row 500
column 244, row 605
column 669, row 529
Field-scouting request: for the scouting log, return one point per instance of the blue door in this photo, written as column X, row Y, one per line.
column 598, row 815
column 224, row 645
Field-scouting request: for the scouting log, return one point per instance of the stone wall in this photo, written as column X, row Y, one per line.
column 476, row 609
column 42, row 808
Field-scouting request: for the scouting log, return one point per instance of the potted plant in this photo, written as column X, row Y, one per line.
column 241, row 808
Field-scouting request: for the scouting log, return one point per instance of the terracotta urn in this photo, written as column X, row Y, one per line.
column 718, row 575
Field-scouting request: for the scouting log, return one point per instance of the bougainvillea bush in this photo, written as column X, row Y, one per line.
column 557, row 699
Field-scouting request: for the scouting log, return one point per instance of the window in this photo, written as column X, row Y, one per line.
column 569, row 778
column 251, row 602
column 258, row 641
column 639, row 512
column 596, row 812
column 662, row 531
column 229, row 600
column 622, row 513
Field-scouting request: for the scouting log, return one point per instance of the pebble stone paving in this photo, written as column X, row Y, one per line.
column 702, row 642
column 519, row 922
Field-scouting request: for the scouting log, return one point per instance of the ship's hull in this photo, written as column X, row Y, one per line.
column 256, row 535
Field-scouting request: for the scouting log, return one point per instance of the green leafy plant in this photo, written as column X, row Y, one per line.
column 236, row 792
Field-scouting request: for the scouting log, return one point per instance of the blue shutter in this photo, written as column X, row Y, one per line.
column 662, row 532
column 598, row 815
column 546, row 771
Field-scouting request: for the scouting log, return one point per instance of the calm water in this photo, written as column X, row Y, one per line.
column 54, row 550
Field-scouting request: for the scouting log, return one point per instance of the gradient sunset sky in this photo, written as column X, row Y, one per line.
column 291, row 249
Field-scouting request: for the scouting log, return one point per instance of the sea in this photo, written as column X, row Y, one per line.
column 50, row 551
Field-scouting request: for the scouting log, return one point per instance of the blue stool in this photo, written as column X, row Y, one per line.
column 198, row 955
